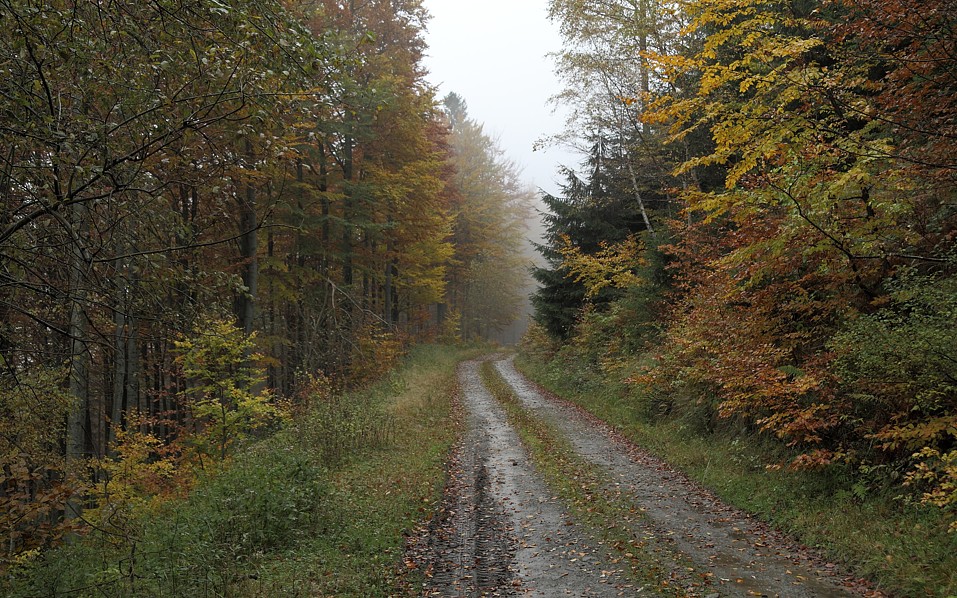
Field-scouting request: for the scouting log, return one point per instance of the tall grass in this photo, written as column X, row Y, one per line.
column 319, row 508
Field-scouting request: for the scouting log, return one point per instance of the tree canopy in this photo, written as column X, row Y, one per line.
column 208, row 209
column 801, row 154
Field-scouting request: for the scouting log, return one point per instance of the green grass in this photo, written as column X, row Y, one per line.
column 379, row 496
column 903, row 547
column 322, row 508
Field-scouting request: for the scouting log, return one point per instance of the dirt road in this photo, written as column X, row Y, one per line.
column 504, row 532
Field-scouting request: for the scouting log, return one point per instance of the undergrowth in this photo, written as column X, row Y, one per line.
column 902, row 546
column 318, row 509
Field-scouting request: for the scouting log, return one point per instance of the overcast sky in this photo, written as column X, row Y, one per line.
column 493, row 53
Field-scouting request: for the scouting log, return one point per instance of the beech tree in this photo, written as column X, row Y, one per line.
column 810, row 146
column 117, row 123
column 365, row 244
column 171, row 167
column 814, row 176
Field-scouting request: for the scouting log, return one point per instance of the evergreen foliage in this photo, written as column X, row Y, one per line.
column 592, row 211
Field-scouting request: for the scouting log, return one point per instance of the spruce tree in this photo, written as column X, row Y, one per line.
column 592, row 210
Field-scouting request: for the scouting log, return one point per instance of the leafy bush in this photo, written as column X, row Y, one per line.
column 269, row 499
column 224, row 392
column 900, row 366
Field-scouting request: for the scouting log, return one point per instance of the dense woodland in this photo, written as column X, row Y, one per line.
column 213, row 213
column 761, row 240
column 216, row 215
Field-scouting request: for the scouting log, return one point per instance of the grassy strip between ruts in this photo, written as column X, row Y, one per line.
column 321, row 508
column 905, row 549
column 595, row 502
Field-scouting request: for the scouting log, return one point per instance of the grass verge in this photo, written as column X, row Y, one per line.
column 319, row 509
column 377, row 496
column 594, row 502
column 903, row 548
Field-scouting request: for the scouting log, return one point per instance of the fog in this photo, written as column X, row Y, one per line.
column 494, row 54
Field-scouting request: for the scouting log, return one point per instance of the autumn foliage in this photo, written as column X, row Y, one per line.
column 812, row 223
column 208, row 211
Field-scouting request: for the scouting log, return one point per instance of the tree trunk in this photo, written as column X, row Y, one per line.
column 120, row 349
column 641, row 203
column 135, row 357
column 347, row 208
column 323, row 189
column 393, row 274
column 643, row 63
column 248, row 248
column 6, row 342
column 79, row 373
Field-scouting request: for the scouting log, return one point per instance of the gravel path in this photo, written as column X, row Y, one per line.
column 499, row 507
column 502, row 532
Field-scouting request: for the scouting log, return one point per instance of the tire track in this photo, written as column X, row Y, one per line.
column 501, row 532
column 744, row 557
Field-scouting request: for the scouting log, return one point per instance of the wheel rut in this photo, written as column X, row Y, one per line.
column 742, row 556
column 503, row 532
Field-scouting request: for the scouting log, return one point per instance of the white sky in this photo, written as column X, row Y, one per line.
column 493, row 53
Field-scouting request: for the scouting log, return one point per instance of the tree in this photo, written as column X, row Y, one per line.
column 491, row 206
column 129, row 130
column 365, row 240
column 223, row 388
column 592, row 213
column 810, row 145
column 611, row 81
column 824, row 215
column 170, row 170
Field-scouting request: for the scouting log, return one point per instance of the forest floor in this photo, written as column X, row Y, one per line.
column 545, row 500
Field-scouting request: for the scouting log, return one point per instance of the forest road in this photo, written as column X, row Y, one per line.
column 502, row 532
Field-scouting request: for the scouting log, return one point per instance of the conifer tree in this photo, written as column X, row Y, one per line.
column 492, row 204
column 591, row 211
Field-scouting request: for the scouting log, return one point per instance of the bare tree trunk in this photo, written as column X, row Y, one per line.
column 79, row 373
column 136, row 355
column 623, row 154
column 248, row 248
column 323, row 188
column 347, row 209
column 6, row 343
column 120, row 348
column 643, row 63
column 641, row 203
column 394, row 266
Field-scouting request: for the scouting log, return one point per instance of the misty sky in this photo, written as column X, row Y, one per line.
column 493, row 53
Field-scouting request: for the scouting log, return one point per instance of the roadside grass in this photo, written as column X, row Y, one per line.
column 595, row 503
column 321, row 508
column 378, row 496
column 902, row 547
